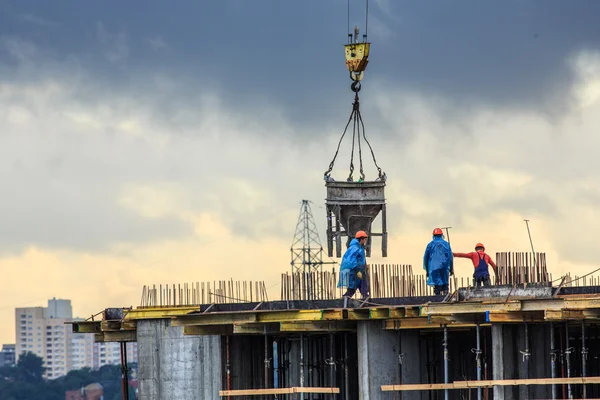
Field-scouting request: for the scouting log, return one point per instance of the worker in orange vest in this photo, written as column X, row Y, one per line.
column 480, row 260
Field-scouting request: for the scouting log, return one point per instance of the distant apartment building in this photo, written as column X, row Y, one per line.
column 43, row 331
column 7, row 355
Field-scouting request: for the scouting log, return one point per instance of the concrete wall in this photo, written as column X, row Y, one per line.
column 377, row 360
column 177, row 367
column 412, row 362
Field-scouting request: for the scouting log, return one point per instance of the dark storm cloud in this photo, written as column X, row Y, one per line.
column 508, row 54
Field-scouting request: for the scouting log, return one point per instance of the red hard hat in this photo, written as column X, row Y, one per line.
column 438, row 231
column 361, row 234
column 479, row 245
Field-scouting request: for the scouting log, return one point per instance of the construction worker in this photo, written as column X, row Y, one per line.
column 438, row 263
column 480, row 259
column 353, row 265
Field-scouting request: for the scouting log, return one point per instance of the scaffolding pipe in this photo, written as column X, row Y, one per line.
column 276, row 362
column 552, row 359
column 445, row 360
column 228, row 365
column 583, row 357
column 124, row 372
column 331, row 361
column 478, row 355
column 526, row 357
column 309, row 364
column 346, row 384
column 266, row 359
column 568, row 359
column 285, row 347
column 400, row 355
column 301, row 360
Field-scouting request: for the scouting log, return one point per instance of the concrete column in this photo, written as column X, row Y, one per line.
column 177, row 367
column 503, row 360
column 377, row 360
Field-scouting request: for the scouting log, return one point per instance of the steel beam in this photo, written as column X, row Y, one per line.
column 468, row 308
column 515, row 316
column 110, row 326
column 559, row 315
column 87, row 327
column 435, row 322
column 159, row 312
column 255, row 329
column 210, row 330
column 258, row 317
column 317, row 326
column 379, row 313
column 565, row 303
column 214, row 319
column 122, row 336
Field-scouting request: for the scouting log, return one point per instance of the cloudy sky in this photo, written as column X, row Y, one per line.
column 152, row 142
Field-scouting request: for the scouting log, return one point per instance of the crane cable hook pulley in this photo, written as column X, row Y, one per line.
column 357, row 58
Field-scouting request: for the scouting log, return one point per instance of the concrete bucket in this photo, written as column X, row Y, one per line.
column 353, row 206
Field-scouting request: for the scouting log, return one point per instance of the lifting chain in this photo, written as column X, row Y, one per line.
column 358, row 129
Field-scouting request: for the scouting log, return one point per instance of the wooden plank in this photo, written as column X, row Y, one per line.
column 292, row 390
column 491, row 383
column 537, row 381
column 323, row 390
column 255, row 392
column 420, row 386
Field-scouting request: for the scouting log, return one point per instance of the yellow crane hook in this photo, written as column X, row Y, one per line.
column 357, row 57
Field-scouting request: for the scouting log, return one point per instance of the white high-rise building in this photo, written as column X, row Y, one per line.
column 43, row 331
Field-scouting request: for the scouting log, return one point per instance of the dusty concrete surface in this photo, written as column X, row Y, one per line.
column 502, row 292
column 177, row 367
column 377, row 360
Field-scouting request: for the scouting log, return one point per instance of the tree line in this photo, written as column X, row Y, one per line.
column 25, row 381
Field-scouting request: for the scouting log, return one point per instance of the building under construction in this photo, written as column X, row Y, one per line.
column 525, row 337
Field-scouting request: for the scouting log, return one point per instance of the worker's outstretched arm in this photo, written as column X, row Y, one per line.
column 462, row 255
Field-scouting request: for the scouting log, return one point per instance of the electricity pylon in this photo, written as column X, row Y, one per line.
column 307, row 257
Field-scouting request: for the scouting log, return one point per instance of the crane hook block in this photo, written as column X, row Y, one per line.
column 357, row 58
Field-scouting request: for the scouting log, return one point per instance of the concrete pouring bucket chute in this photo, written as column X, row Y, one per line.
column 351, row 207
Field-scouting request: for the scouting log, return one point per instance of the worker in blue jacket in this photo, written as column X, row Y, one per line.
column 438, row 263
column 352, row 268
